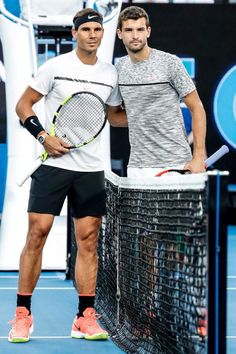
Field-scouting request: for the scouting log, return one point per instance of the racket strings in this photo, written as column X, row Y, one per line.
column 80, row 119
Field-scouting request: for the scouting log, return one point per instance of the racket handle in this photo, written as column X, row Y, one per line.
column 216, row 156
column 38, row 162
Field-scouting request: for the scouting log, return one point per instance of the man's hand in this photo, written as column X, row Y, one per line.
column 55, row 147
column 196, row 165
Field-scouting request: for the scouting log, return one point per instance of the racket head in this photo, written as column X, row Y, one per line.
column 79, row 119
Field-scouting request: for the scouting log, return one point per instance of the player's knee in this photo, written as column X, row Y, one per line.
column 36, row 239
column 88, row 242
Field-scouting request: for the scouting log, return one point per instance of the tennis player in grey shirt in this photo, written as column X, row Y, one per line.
column 152, row 82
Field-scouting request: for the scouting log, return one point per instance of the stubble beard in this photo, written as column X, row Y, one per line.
column 137, row 49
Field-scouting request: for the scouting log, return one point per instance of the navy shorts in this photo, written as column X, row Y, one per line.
column 51, row 185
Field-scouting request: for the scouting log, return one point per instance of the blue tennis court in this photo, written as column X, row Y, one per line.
column 54, row 305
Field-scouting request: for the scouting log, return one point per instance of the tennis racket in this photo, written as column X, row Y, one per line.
column 208, row 162
column 78, row 121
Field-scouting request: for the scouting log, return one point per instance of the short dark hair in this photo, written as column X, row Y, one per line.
column 81, row 16
column 132, row 13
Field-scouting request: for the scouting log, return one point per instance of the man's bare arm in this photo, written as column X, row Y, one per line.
column 24, row 109
column 117, row 116
column 196, row 108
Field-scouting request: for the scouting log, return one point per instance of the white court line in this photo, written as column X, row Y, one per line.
column 58, row 288
column 41, row 288
column 63, row 277
column 42, row 277
column 69, row 337
column 44, row 337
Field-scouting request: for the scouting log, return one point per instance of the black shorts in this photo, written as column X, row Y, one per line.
column 51, row 185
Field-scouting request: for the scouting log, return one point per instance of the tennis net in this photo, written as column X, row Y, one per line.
column 153, row 280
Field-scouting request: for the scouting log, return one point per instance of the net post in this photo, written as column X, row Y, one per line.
column 217, row 260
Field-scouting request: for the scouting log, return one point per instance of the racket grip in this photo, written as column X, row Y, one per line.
column 38, row 162
column 216, row 156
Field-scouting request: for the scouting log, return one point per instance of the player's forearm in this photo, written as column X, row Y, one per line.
column 24, row 110
column 24, row 107
column 199, row 132
column 117, row 117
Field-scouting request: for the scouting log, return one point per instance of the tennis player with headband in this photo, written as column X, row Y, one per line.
column 76, row 174
column 152, row 82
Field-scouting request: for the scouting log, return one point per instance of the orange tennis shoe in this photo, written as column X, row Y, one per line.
column 22, row 326
column 202, row 324
column 87, row 327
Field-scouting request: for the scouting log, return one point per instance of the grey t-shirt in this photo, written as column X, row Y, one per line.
column 151, row 91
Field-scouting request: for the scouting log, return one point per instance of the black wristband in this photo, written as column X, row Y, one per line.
column 33, row 125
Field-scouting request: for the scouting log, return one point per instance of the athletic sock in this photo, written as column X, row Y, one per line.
column 85, row 300
column 24, row 300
